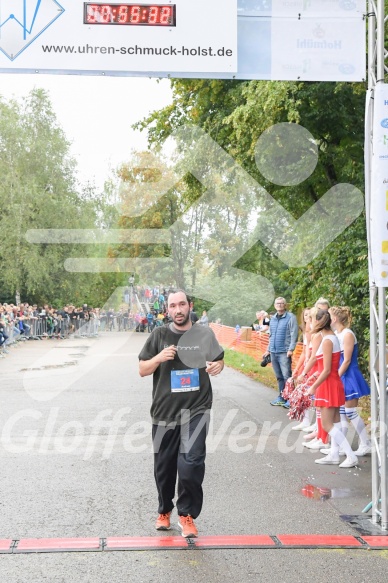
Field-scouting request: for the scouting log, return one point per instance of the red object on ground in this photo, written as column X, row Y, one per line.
column 250, row 540
column 127, row 543
column 60, row 544
column 376, row 541
column 144, row 542
column 306, row 540
column 5, row 544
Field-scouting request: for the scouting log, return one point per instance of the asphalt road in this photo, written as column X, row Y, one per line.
column 76, row 462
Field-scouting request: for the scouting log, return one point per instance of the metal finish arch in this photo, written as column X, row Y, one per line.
column 377, row 69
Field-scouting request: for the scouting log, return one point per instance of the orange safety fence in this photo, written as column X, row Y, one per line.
column 248, row 341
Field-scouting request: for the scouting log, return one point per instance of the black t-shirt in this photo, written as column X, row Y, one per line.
column 195, row 347
column 63, row 314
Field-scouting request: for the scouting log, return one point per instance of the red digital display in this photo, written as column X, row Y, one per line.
column 130, row 14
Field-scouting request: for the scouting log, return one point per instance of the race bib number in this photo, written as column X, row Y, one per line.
column 184, row 381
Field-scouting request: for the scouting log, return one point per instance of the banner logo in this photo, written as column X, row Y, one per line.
column 22, row 24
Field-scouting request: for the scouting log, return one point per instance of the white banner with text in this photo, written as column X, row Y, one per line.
column 378, row 232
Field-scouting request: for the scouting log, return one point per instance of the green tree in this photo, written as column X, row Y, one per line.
column 235, row 114
column 38, row 190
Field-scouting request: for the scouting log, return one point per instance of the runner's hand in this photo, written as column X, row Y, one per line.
column 167, row 353
column 214, row 368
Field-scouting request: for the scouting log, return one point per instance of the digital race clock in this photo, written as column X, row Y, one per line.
column 132, row 14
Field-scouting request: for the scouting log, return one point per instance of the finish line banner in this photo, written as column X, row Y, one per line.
column 318, row 49
column 74, row 35
column 307, row 40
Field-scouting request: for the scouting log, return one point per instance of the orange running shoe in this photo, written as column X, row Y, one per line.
column 163, row 522
column 186, row 523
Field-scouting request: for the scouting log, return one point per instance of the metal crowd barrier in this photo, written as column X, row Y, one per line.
column 117, row 323
column 42, row 327
column 39, row 328
column 85, row 328
column 12, row 334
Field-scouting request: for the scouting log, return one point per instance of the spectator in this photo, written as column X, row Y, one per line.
column 204, row 320
column 283, row 335
column 238, row 333
column 322, row 304
column 193, row 316
column 3, row 337
column 161, row 302
column 262, row 324
column 161, row 319
column 110, row 316
column 103, row 318
column 150, row 321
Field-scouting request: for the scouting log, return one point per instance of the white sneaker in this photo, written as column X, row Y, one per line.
column 327, row 450
column 327, row 460
column 310, row 428
column 315, row 444
column 363, row 450
column 350, row 462
column 299, row 427
column 308, row 443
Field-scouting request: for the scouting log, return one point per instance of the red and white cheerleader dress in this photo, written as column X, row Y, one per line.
column 331, row 392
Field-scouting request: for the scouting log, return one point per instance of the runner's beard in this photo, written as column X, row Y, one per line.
column 183, row 322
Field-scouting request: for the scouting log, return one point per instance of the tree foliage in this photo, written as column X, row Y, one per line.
column 235, row 114
column 38, row 190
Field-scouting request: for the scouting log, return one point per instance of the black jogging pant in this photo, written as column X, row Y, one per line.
column 180, row 451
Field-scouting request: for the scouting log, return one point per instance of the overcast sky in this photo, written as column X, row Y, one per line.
column 96, row 114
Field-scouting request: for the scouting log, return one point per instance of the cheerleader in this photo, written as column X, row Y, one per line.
column 318, row 438
column 329, row 392
column 303, row 359
column 351, row 376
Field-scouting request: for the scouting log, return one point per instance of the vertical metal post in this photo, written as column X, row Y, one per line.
column 374, row 393
column 380, row 40
column 378, row 300
column 374, row 353
column 371, row 46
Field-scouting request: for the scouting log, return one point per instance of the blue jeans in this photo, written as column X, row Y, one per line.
column 281, row 364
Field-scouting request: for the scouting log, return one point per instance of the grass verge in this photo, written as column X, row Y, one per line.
column 250, row 367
